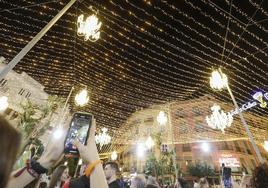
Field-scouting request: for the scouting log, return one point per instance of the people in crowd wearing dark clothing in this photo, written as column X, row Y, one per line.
column 226, row 176
column 260, row 176
column 110, row 170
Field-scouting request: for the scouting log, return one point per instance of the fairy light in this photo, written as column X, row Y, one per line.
column 130, row 101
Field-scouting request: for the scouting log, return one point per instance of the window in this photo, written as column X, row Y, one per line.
column 197, row 111
column 179, row 113
column 3, row 82
column 186, row 148
column 183, row 128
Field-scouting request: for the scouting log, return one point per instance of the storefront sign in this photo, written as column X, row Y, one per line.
column 229, row 160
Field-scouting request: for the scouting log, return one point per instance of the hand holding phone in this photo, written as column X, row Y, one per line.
column 79, row 130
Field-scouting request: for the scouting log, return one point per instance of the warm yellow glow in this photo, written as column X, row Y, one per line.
column 81, row 98
column 89, row 28
column 265, row 145
column 114, row 155
column 218, row 80
column 3, row 103
column 162, row 118
column 149, row 142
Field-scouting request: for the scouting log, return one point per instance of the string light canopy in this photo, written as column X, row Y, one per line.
column 148, row 53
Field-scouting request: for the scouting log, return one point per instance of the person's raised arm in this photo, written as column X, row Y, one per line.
column 33, row 169
column 89, row 155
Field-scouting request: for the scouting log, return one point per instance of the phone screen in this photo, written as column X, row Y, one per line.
column 79, row 130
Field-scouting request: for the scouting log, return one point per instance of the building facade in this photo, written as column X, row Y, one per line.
column 188, row 131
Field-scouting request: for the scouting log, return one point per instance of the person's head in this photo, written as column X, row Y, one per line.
column 260, row 176
column 110, row 170
column 223, row 165
column 43, row 185
column 59, row 174
column 138, row 181
column 9, row 144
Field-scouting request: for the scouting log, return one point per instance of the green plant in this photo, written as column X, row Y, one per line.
column 200, row 170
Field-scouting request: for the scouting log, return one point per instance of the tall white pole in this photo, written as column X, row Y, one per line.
column 246, row 127
column 63, row 111
column 173, row 145
column 29, row 46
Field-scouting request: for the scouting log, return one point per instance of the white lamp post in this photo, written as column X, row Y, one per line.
column 219, row 80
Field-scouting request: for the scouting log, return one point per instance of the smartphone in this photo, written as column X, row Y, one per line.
column 79, row 130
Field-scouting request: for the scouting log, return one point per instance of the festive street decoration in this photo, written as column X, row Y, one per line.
column 82, row 98
column 103, row 138
column 259, row 97
column 162, row 118
column 219, row 119
column 89, row 28
column 218, row 80
column 114, row 155
column 3, row 103
column 149, row 142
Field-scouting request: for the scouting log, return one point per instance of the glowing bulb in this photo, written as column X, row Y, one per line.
column 149, row 142
column 265, row 145
column 65, row 163
column 89, row 28
column 81, row 98
column 3, row 103
column 57, row 134
column 114, row 155
column 140, row 150
column 218, row 80
column 80, row 162
column 205, row 147
column 162, row 118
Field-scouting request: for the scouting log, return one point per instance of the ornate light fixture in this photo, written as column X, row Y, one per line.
column 219, row 119
column 89, row 28
column 265, row 145
column 114, row 155
column 149, row 142
column 218, row 80
column 103, row 138
column 162, row 118
column 81, row 98
column 3, row 103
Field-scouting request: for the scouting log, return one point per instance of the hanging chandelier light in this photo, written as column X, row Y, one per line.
column 114, row 155
column 89, row 28
column 162, row 118
column 3, row 103
column 149, row 142
column 103, row 138
column 219, row 119
column 82, row 98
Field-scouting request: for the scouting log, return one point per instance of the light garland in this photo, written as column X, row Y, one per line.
column 138, row 54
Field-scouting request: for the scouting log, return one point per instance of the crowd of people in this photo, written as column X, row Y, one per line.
column 95, row 175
